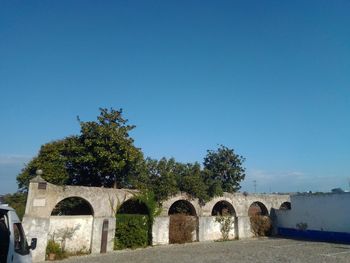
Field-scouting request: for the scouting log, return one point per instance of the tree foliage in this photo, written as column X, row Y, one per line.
column 223, row 171
column 167, row 177
column 103, row 154
column 17, row 201
column 51, row 160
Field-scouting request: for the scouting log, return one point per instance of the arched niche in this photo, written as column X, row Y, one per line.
column 183, row 222
column 286, row 206
column 182, row 207
column 133, row 207
column 133, row 226
column 223, row 208
column 72, row 206
column 257, row 208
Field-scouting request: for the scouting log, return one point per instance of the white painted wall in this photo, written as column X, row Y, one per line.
column 209, row 229
column 37, row 228
column 324, row 212
column 160, row 230
column 81, row 239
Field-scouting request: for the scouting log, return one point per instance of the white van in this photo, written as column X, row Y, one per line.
column 13, row 244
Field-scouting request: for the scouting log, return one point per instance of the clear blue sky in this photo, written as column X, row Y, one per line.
column 270, row 79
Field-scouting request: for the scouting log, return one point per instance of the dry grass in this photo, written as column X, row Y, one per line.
column 261, row 225
column 181, row 228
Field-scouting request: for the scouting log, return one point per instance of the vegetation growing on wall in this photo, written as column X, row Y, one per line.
column 226, row 225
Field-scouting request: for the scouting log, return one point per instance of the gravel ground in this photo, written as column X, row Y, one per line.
column 252, row 251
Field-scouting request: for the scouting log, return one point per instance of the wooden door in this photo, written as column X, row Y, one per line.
column 104, row 236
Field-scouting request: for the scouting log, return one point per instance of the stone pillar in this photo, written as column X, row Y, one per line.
column 160, row 230
column 97, row 234
column 244, row 229
column 35, row 227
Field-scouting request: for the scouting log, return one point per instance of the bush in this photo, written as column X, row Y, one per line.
column 226, row 225
column 54, row 248
column 181, row 228
column 131, row 231
column 261, row 225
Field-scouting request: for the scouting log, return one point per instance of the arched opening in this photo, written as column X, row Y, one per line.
column 71, row 224
column 133, row 227
column 133, row 207
column 72, row 206
column 258, row 208
column 223, row 208
column 260, row 221
column 225, row 215
column 183, row 225
column 286, row 206
column 182, row 207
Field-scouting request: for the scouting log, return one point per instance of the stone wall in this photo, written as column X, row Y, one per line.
column 43, row 197
column 81, row 228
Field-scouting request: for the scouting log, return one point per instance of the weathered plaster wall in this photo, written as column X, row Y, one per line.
column 81, row 239
column 160, row 230
column 210, row 229
column 104, row 202
column 35, row 227
column 41, row 202
column 322, row 212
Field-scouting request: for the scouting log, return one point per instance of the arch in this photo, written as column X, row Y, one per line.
column 182, row 207
column 286, row 206
column 133, row 225
column 183, row 222
column 257, row 208
column 132, row 206
column 72, row 206
column 222, row 208
column 260, row 221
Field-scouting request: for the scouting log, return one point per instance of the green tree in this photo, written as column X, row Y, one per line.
column 223, row 171
column 161, row 177
column 51, row 160
column 167, row 177
column 103, row 154
column 192, row 182
column 17, row 201
column 109, row 157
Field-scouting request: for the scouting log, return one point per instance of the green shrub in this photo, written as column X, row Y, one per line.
column 54, row 248
column 132, row 231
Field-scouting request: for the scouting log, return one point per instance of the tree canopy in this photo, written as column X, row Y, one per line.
column 104, row 154
column 223, row 170
column 167, row 177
